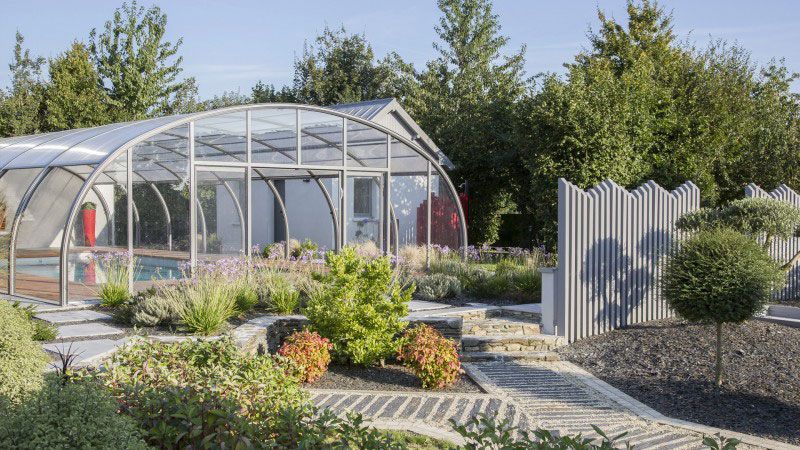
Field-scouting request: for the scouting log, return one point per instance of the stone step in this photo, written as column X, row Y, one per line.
column 529, row 311
column 794, row 323
column 87, row 330
column 502, row 343
column 88, row 352
column 501, row 326
column 72, row 317
column 463, row 312
column 509, row 356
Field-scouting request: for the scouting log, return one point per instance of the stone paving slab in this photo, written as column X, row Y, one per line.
column 74, row 316
column 89, row 352
column 421, row 305
column 87, row 330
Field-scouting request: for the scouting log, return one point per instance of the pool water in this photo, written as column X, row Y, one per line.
column 82, row 271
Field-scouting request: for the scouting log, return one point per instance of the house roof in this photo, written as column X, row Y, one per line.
column 389, row 113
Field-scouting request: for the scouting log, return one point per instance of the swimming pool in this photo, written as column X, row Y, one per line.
column 83, row 269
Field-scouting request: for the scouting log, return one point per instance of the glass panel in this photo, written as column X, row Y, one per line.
column 365, row 209
column 307, row 208
column 409, row 194
column 321, row 138
column 40, row 232
column 98, row 231
column 445, row 225
column 161, row 206
column 222, row 211
column 407, row 160
column 221, row 138
column 366, row 146
column 13, row 185
column 274, row 135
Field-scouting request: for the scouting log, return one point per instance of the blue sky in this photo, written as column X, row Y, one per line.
column 228, row 46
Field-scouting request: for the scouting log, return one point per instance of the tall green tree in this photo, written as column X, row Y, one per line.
column 268, row 93
column 21, row 104
column 74, row 97
column 341, row 67
column 638, row 105
column 139, row 67
column 467, row 100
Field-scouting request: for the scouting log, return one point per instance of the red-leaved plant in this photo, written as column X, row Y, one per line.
column 432, row 357
column 309, row 351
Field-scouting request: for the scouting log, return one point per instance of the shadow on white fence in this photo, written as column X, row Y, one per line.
column 611, row 245
column 782, row 249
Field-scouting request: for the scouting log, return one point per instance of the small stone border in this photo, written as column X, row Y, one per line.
column 645, row 412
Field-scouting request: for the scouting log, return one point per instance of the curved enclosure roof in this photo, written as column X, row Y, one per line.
column 90, row 146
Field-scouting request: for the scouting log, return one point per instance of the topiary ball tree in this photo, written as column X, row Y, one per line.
column 720, row 276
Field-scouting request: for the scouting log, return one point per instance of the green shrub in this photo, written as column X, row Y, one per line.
column 42, row 331
column 200, row 394
column 78, row 415
column 432, row 357
column 484, row 432
column 526, row 284
column 22, row 360
column 307, row 248
column 720, row 276
column 359, row 308
column 309, row 351
column 157, row 307
column 437, row 286
column 486, row 284
column 210, row 301
column 283, row 297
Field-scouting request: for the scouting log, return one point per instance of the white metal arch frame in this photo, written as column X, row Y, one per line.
column 191, row 119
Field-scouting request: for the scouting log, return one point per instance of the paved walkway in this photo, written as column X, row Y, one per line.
column 549, row 395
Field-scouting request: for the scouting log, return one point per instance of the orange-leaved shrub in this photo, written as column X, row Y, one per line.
column 309, row 351
column 432, row 357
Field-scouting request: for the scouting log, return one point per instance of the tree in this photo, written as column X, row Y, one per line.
column 720, row 276
column 74, row 97
column 138, row 66
column 467, row 100
column 21, row 105
column 342, row 68
column 640, row 105
column 757, row 218
column 267, row 93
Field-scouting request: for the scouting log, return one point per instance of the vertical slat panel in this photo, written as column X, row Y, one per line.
column 612, row 245
column 782, row 250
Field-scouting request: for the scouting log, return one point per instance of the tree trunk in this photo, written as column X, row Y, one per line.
column 788, row 266
column 718, row 372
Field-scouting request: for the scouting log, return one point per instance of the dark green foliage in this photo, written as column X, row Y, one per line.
column 639, row 104
column 73, row 414
column 755, row 217
column 720, row 276
column 484, row 432
column 246, row 298
column 74, row 97
column 22, row 103
column 359, row 308
column 42, row 331
column 139, row 67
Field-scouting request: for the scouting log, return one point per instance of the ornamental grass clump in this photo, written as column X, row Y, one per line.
column 310, row 353
column 210, row 302
column 432, row 357
column 116, row 267
column 720, row 276
column 359, row 307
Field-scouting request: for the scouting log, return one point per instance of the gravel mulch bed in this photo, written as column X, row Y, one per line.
column 392, row 377
column 669, row 365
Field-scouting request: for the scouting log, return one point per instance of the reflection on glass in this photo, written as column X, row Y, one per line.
column 274, row 135
column 222, row 211
column 13, row 185
column 221, row 138
column 445, row 224
column 365, row 209
column 321, row 138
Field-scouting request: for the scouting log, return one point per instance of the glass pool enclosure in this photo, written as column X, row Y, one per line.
column 181, row 189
